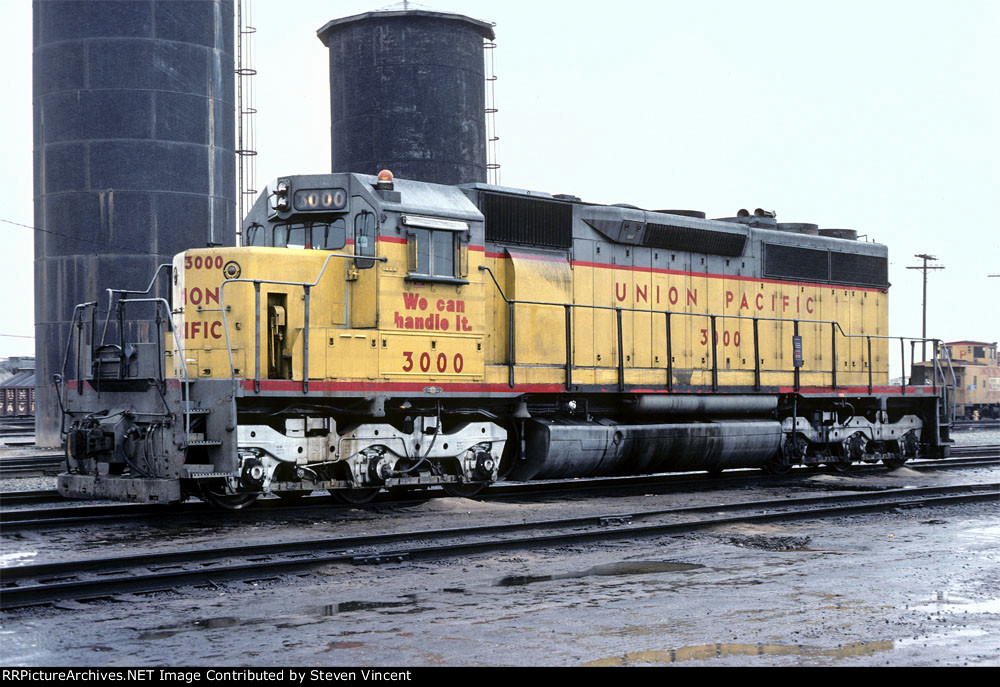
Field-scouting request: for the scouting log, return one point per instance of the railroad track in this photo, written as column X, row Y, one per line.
column 52, row 463
column 105, row 578
column 17, row 425
column 21, row 466
column 968, row 451
column 963, row 425
column 85, row 514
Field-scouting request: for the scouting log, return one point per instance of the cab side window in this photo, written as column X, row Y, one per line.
column 255, row 236
column 432, row 252
column 364, row 239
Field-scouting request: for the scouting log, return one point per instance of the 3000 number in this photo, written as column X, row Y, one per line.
column 208, row 262
column 727, row 338
column 427, row 362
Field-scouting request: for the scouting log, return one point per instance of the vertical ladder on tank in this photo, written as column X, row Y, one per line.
column 492, row 140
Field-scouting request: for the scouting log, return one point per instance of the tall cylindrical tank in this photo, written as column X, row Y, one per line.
column 408, row 93
column 134, row 154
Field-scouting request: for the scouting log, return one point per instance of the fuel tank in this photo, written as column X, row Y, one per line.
column 602, row 448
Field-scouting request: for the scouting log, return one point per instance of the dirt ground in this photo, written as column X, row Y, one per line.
column 909, row 588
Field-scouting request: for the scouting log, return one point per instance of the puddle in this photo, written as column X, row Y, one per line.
column 609, row 570
column 351, row 606
column 158, row 634
column 959, row 605
column 943, row 638
column 407, row 605
column 215, row 623
column 987, row 535
column 9, row 560
column 757, row 541
column 201, row 624
column 342, row 645
column 708, row 652
column 409, row 602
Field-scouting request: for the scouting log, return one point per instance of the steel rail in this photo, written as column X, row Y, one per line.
column 86, row 514
column 44, row 583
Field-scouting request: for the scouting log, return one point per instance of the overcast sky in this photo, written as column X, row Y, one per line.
column 877, row 115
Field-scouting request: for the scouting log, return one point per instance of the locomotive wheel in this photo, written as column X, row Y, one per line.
column 894, row 463
column 463, row 490
column 355, row 497
column 776, row 467
column 840, row 467
column 229, row 501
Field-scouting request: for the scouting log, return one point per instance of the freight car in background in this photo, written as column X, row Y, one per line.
column 17, row 388
column 377, row 333
column 977, row 378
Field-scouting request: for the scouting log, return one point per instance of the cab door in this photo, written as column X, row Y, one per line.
column 363, row 272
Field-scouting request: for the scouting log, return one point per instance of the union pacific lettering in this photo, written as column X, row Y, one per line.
column 782, row 304
column 199, row 296
column 203, row 330
column 201, row 326
column 756, row 303
column 673, row 295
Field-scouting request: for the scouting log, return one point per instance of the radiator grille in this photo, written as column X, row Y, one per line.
column 527, row 221
column 690, row 240
column 796, row 263
column 810, row 264
column 864, row 270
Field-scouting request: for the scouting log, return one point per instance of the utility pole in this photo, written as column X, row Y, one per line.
column 924, row 268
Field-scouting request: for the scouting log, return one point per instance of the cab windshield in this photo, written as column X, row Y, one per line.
column 312, row 235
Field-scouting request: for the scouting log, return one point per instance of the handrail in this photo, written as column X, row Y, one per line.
column 257, row 283
column 121, row 303
column 69, row 340
column 59, row 380
column 180, row 350
column 835, row 326
column 111, row 292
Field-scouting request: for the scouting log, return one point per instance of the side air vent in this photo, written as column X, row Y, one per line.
column 865, row 270
column 810, row 264
column 527, row 221
column 671, row 237
column 796, row 263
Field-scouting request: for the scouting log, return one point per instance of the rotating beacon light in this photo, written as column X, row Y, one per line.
column 385, row 181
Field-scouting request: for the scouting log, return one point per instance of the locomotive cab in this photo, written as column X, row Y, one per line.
column 343, row 280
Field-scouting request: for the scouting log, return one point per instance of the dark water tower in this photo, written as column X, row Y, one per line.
column 407, row 91
column 134, row 154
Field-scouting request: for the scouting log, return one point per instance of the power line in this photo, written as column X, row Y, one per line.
column 76, row 238
column 925, row 268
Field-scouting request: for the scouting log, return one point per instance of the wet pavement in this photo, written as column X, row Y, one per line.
column 916, row 587
column 911, row 587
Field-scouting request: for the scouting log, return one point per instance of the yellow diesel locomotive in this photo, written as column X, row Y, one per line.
column 376, row 333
